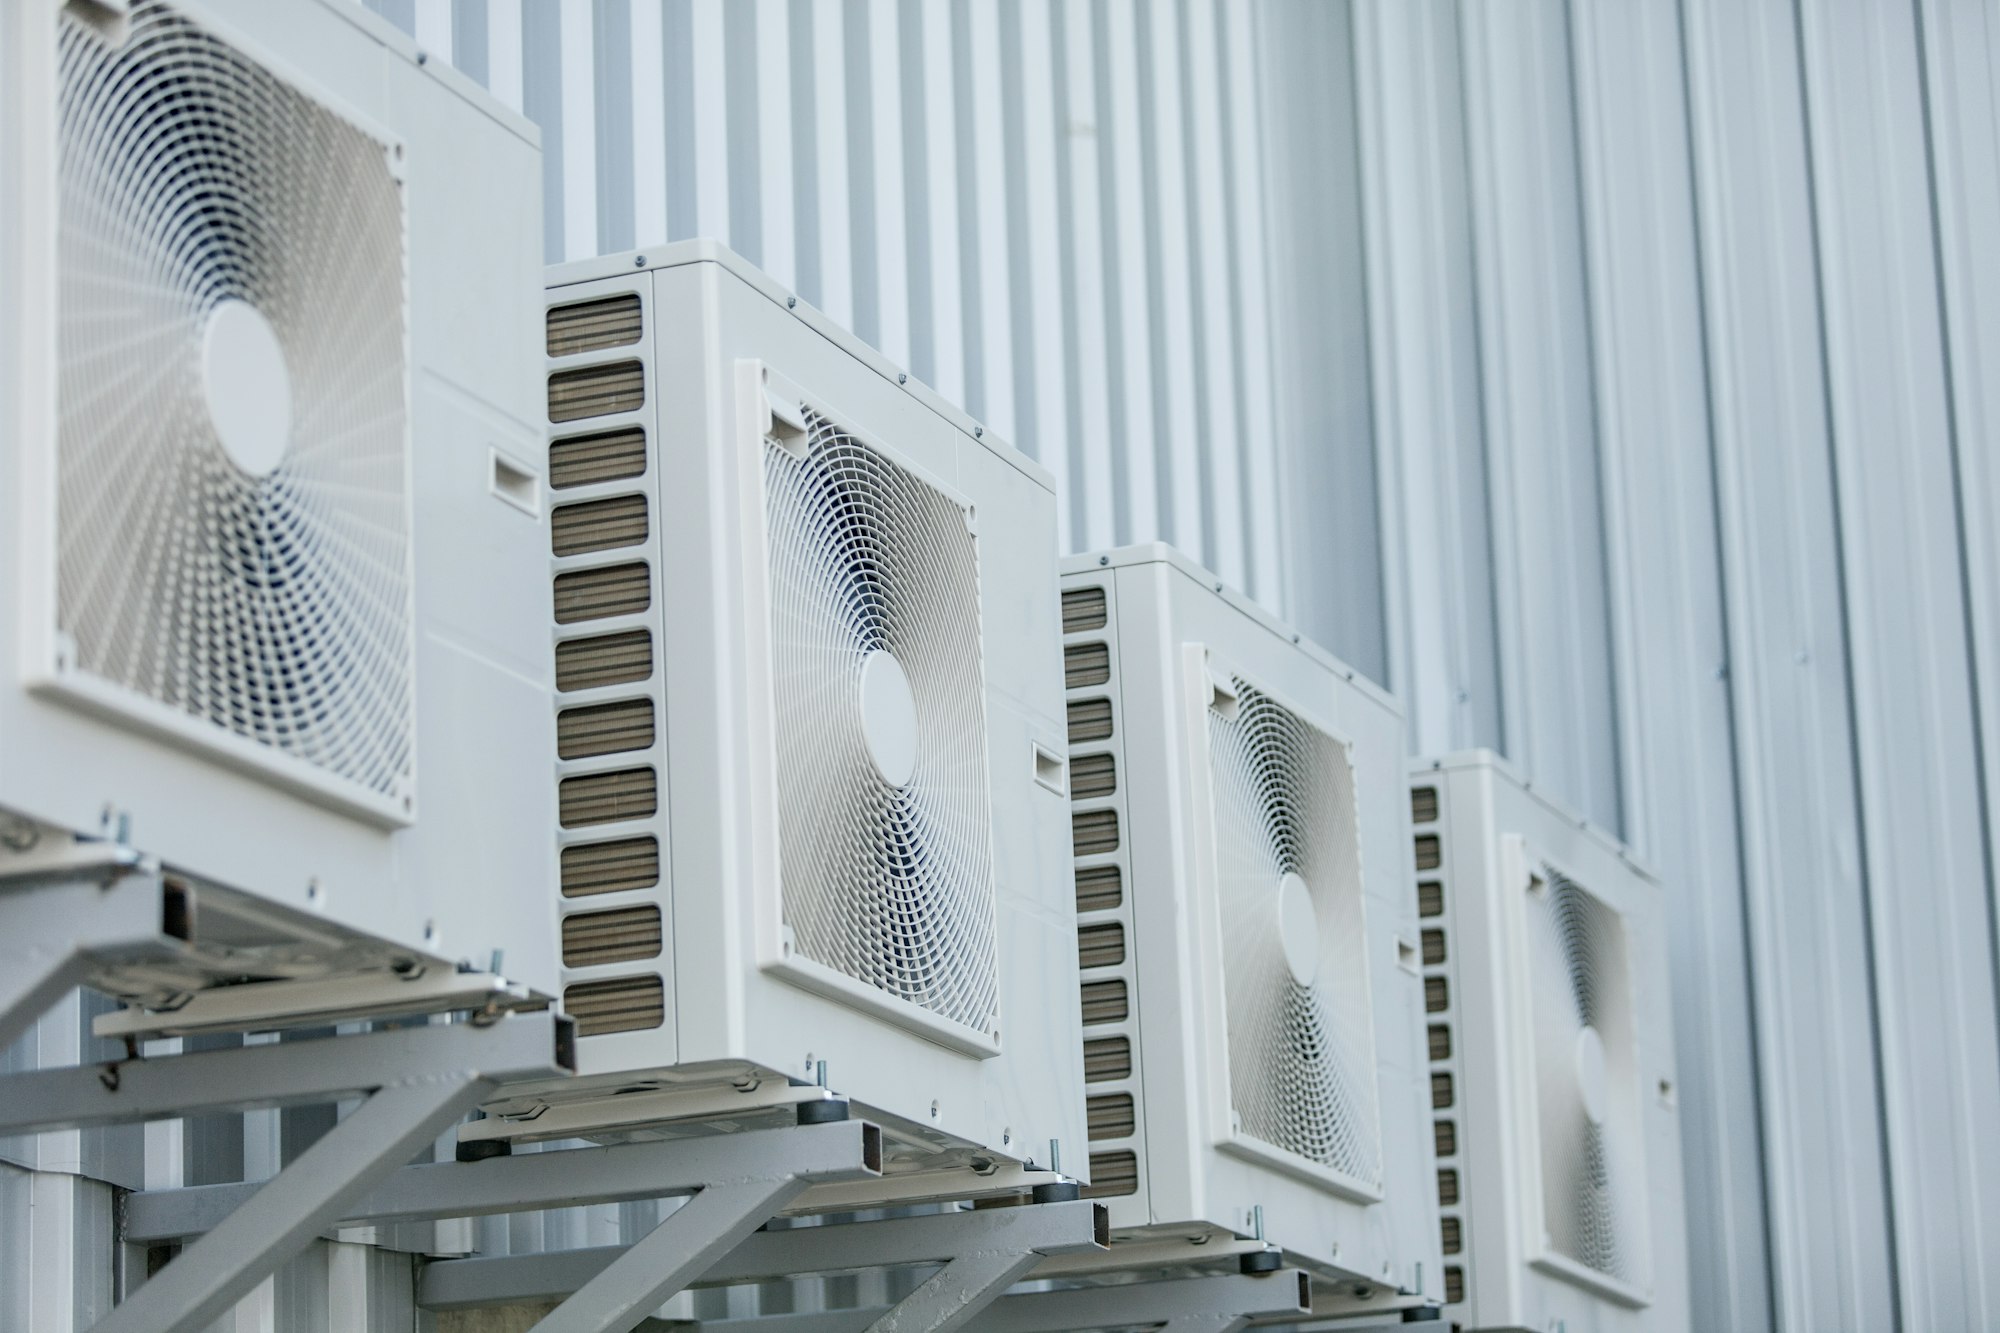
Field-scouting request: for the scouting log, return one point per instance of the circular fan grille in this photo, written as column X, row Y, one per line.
column 1301, row 1043
column 1587, row 1079
column 264, row 592
column 885, row 867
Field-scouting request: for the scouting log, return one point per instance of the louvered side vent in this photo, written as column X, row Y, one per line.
column 609, row 727
column 616, row 935
column 584, row 460
column 591, row 326
column 617, row 1004
column 1434, row 918
column 1104, row 914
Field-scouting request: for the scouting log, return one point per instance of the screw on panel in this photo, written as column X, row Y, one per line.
column 1103, row 559
column 791, row 303
column 979, row 432
column 903, row 378
column 638, row 261
column 423, row 58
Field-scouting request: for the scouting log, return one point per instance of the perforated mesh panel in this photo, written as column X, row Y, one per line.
column 891, row 885
column 1301, row 1056
column 274, row 607
column 1592, row 1142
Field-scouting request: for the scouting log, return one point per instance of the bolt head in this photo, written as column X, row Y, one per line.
column 791, row 303
column 638, row 261
column 902, row 379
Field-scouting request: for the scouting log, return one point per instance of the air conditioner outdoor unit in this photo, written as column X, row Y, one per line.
column 1552, row 1062
column 270, row 485
column 808, row 710
column 1253, row 1018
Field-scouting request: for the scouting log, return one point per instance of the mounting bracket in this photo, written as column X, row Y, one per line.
column 58, row 923
column 414, row 1083
column 1222, row 1303
column 733, row 1182
column 983, row 1252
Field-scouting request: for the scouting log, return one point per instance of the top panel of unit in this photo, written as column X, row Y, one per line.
column 678, row 254
column 1501, row 769
column 440, row 71
column 1178, row 561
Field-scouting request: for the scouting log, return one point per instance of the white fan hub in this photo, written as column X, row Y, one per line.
column 1298, row 928
column 888, row 717
column 247, row 386
column 1590, row 1080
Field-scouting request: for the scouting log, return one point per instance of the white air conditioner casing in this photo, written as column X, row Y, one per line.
column 270, row 484
column 808, row 711
column 1551, row 1043
column 1238, row 816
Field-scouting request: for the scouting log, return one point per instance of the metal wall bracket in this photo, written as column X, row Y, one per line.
column 982, row 1252
column 414, row 1083
column 1223, row 1303
column 56, row 926
column 733, row 1182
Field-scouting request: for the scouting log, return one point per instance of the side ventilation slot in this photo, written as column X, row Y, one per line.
column 1428, row 858
column 1089, row 720
column 591, row 326
column 1111, row 1116
column 1099, row 889
column 1092, row 776
column 610, row 867
column 1093, row 832
column 1104, row 930
column 604, row 659
column 1083, row 609
column 1112, row 1175
column 595, row 594
column 598, row 525
column 607, row 798
column 619, row 935
column 612, row 858
column 1086, row 664
column 597, row 391
column 1105, row 1002
column 1100, row 945
column 614, row 728
column 586, row 460
column 1107, row 1059
column 619, row 1004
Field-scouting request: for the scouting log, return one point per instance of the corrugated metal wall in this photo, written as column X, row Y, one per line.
column 1614, row 381
column 1609, row 379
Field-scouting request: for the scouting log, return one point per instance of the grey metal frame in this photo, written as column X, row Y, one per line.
column 735, row 1183
column 57, row 924
column 983, row 1252
column 1222, row 1303
column 413, row 1085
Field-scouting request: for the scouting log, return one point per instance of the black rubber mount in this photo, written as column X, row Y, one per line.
column 825, row 1111
column 1057, row 1191
column 1261, row 1261
column 1422, row 1314
column 482, row 1150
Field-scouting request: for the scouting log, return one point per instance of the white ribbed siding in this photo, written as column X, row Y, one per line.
column 1043, row 207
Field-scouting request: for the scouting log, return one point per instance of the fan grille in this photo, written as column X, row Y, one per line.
column 275, row 607
column 890, row 884
column 1301, row 1053
column 1587, row 1085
